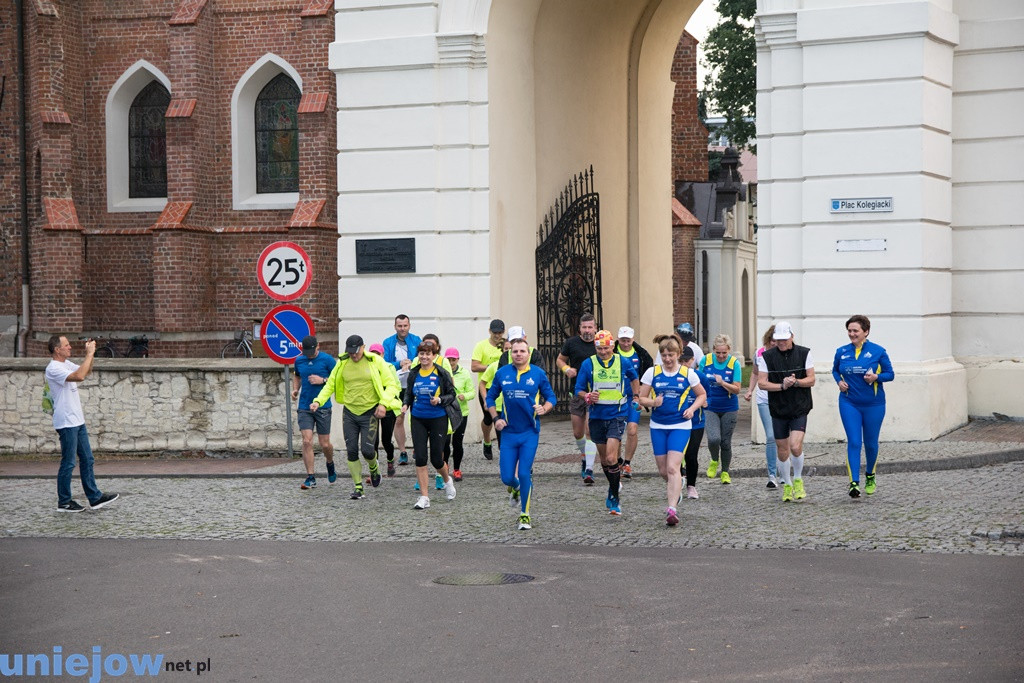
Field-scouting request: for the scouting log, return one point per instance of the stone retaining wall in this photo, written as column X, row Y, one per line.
column 155, row 405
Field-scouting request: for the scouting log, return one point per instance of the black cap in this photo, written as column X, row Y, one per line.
column 309, row 345
column 353, row 343
column 687, row 354
column 497, row 325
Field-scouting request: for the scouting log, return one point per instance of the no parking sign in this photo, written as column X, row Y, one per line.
column 282, row 331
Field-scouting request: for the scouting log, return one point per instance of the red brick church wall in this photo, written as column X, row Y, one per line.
column 689, row 162
column 192, row 279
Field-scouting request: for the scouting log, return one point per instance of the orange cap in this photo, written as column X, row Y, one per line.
column 604, row 338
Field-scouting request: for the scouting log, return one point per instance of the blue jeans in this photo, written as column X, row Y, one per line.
column 771, row 451
column 75, row 441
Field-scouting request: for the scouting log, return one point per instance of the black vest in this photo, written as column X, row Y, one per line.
column 795, row 401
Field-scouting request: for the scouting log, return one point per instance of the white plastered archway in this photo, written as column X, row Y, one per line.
column 570, row 85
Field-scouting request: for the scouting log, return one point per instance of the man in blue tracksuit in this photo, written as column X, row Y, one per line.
column 400, row 351
column 526, row 394
column 859, row 369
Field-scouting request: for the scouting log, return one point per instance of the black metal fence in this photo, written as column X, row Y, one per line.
column 568, row 259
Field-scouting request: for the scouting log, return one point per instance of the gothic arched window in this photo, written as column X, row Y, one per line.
column 277, row 136
column 147, row 142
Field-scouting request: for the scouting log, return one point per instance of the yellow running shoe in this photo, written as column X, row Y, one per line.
column 869, row 485
column 787, row 493
column 726, row 479
column 798, row 489
column 712, row 469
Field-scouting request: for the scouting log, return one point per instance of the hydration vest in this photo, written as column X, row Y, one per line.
column 608, row 381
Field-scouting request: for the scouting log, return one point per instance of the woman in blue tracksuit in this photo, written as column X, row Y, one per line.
column 859, row 369
column 526, row 395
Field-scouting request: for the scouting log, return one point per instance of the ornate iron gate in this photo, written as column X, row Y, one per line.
column 568, row 261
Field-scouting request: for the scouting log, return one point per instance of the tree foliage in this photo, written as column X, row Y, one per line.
column 730, row 55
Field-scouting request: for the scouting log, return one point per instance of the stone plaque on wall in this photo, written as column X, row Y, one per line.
column 396, row 255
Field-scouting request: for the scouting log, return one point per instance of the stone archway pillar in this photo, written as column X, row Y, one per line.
column 855, row 101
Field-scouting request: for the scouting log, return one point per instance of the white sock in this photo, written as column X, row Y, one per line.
column 581, row 444
column 798, row 465
column 591, row 454
column 782, row 467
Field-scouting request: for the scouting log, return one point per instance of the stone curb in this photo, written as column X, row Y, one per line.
column 960, row 462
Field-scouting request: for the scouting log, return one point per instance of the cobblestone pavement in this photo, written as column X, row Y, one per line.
column 978, row 510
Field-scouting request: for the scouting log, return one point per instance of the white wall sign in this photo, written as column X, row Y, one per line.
column 860, row 245
column 861, row 205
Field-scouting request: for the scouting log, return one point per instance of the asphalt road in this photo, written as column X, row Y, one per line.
column 298, row 611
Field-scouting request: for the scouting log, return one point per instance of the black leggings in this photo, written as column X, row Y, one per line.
column 429, row 430
column 386, row 431
column 488, row 420
column 690, row 456
column 453, row 444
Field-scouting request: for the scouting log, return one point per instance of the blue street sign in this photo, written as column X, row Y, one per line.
column 282, row 331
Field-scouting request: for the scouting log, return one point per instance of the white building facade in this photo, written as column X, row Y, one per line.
column 918, row 103
column 459, row 121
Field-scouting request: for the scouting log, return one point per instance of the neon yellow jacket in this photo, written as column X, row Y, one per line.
column 385, row 383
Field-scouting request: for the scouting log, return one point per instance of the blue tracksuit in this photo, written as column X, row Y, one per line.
column 520, row 392
column 862, row 406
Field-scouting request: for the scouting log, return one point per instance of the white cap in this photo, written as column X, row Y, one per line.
column 783, row 330
column 626, row 332
column 516, row 332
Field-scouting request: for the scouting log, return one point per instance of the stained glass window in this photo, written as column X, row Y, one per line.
column 277, row 136
column 147, row 148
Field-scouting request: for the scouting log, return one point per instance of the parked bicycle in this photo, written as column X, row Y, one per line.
column 107, row 350
column 240, row 346
column 138, row 347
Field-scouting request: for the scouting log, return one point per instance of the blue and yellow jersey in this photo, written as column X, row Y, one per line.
column 699, row 417
column 677, row 395
column 426, row 384
column 520, row 392
column 851, row 364
column 632, row 358
column 720, row 400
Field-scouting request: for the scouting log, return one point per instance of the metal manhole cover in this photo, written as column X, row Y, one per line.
column 482, row 579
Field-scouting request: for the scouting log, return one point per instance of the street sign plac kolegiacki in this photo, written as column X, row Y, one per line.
column 284, row 271
column 282, row 331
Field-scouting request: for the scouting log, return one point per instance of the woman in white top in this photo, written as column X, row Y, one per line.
column 672, row 411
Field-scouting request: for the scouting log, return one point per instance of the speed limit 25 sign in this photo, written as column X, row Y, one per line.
column 284, row 271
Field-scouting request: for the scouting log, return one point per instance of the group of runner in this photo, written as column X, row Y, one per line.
column 686, row 392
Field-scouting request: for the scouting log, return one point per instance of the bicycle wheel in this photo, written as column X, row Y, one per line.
column 105, row 352
column 139, row 352
column 235, row 349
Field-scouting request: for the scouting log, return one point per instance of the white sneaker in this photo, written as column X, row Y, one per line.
column 422, row 504
column 772, row 482
column 449, row 489
column 691, row 492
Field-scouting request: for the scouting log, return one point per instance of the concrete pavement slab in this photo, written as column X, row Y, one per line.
column 279, row 611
